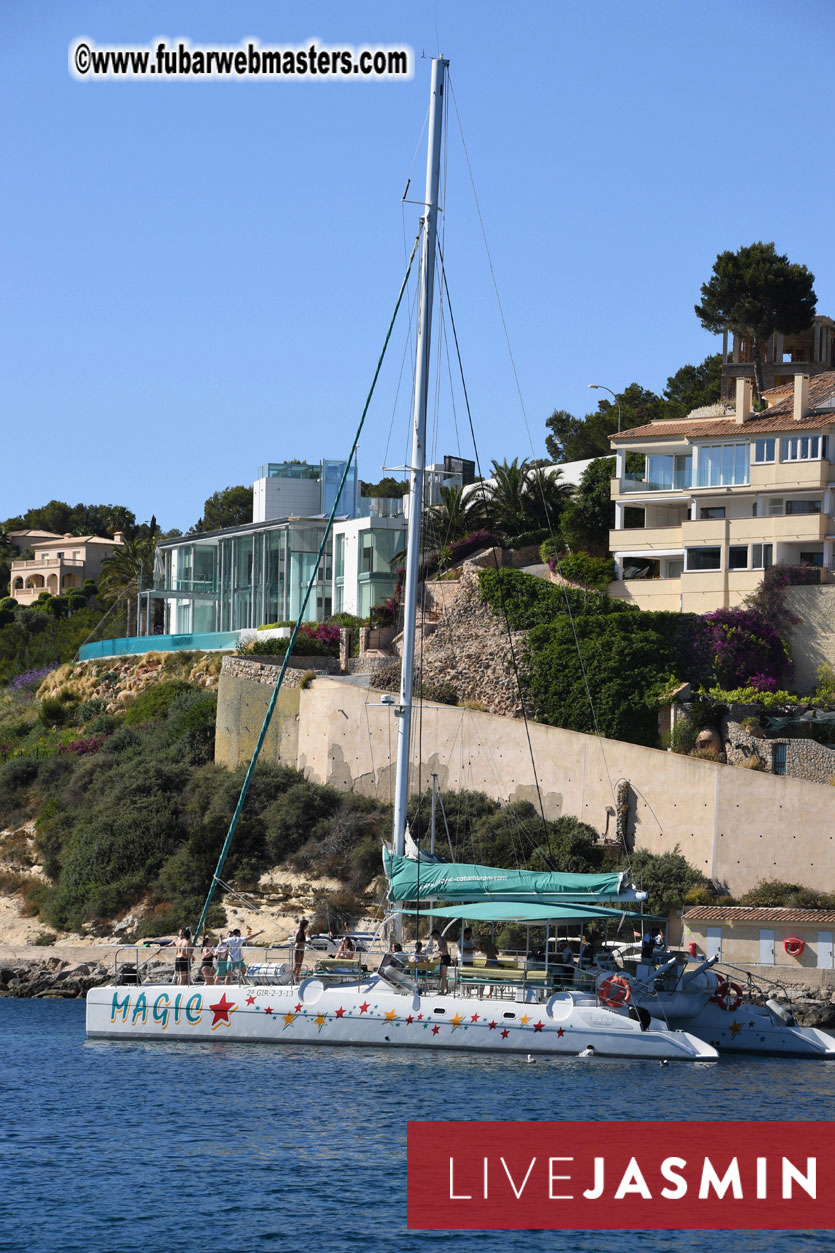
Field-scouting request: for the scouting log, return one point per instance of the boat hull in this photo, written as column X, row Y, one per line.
column 754, row 1029
column 372, row 1013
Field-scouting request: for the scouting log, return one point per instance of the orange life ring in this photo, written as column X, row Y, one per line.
column 793, row 946
column 727, row 994
column 614, row 991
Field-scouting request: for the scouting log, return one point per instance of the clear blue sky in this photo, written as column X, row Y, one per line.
column 197, row 277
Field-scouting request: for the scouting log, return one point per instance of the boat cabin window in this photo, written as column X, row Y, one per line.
column 439, row 1011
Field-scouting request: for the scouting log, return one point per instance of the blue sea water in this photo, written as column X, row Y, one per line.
column 167, row 1147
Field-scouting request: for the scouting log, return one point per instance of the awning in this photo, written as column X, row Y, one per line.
column 525, row 911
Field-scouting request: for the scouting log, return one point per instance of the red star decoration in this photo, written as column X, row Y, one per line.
column 751, row 1023
column 221, row 1010
column 420, row 1016
column 505, row 1033
column 268, row 1009
column 299, row 1008
column 340, row 1013
column 435, row 1029
column 364, row 1007
column 409, row 1020
column 537, row 1026
column 560, row 1033
column 250, row 1000
column 492, row 1025
column 474, row 1018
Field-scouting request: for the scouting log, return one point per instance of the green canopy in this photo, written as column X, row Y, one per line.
column 412, row 880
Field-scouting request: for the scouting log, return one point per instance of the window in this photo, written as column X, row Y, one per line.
column 704, row 559
column 712, row 511
column 340, row 556
column 738, row 557
column 764, row 451
column 812, row 559
column 803, row 448
column 775, row 507
column 367, row 553
column 780, row 758
column 803, row 506
column 760, row 556
column 723, row 465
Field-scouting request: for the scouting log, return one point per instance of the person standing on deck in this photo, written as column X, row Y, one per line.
column 235, row 944
column 300, row 944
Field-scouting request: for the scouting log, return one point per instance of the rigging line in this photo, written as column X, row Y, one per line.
column 406, row 346
column 569, row 610
column 313, row 579
column 525, row 418
column 122, row 596
column 490, row 260
column 502, row 601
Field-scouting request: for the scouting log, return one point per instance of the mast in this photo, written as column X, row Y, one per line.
column 418, row 458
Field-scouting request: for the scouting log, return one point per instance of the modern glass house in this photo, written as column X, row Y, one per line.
column 242, row 576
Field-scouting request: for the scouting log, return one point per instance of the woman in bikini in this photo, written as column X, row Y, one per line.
column 207, row 961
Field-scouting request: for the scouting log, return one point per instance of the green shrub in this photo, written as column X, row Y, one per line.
column 152, row 704
column 305, row 646
column 53, row 711
column 595, row 572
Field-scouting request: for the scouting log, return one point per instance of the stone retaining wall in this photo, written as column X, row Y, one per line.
column 265, row 669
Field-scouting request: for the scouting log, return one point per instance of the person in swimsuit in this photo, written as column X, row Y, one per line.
column 207, row 961
column 298, row 951
column 346, row 948
column 182, row 961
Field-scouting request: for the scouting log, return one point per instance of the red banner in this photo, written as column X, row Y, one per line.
column 653, row 1175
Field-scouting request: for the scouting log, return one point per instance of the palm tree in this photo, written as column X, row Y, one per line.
column 454, row 517
column 545, row 497
column 504, row 497
column 127, row 571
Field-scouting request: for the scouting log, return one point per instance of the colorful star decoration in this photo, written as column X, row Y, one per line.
column 268, row 1009
column 435, row 1029
column 289, row 1019
column 505, row 1033
column 250, row 1000
column 456, row 1021
column 560, row 1033
column 221, row 1010
column 364, row 1008
column 390, row 1016
column 538, row 1026
column 736, row 1027
column 320, row 1020
column 340, row 1012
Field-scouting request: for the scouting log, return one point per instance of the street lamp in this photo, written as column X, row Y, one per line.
column 601, row 388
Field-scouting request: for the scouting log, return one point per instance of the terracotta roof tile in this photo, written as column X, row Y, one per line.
column 777, row 417
column 755, row 913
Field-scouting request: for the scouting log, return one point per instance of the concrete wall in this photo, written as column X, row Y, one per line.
column 736, row 826
column 812, row 640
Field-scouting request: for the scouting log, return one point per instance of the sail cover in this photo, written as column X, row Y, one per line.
column 411, row 880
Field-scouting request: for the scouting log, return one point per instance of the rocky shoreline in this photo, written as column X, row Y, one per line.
column 51, row 977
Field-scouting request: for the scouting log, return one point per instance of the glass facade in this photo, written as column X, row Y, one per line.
column 723, row 465
column 244, row 579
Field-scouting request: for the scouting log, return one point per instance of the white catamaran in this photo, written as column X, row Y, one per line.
column 496, row 1007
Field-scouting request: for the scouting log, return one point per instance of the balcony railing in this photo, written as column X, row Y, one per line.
column 678, row 482
column 46, row 563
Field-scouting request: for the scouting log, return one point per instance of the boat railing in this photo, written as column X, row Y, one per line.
column 147, row 963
